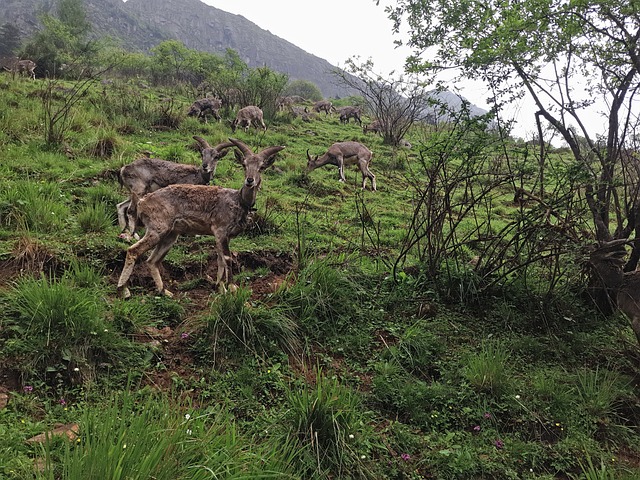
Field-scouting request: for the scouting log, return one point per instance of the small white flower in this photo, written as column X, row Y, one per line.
column 362, row 457
column 76, row 369
column 187, row 416
column 105, row 330
column 517, row 397
column 189, row 431
column 351, row 435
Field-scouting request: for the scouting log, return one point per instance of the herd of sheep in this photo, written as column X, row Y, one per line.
column 172, row 199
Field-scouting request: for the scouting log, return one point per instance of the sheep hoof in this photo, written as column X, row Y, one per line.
column 124, row 292
column 230, row 288
column 167, row 293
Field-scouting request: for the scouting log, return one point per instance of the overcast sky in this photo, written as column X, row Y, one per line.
column 336, row 30
column 331, row 29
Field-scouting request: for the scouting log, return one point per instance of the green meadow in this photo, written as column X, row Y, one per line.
column 433, row 329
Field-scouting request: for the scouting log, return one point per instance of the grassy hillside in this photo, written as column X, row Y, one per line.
column 338, row 356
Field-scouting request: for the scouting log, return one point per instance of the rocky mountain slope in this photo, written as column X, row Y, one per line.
column 142, row 24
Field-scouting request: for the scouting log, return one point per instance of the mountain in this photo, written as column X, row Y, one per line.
column 141, row 24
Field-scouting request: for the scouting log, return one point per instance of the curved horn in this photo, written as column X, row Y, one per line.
column 270, row 152
column 242, row 146
column 221, row 146
column 202, row 142
column 308, row 156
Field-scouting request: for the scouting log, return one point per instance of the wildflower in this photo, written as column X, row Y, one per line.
column 351, row 436
column 62, row 401
column 476, row 428
column 487, row 415
column 362, row 457
column 187, row 416
column 184, row 335
column 76, row 369
column 517, row 397
column 499, row 444
column 27, row 389
column 189, row 431
column 406, row 457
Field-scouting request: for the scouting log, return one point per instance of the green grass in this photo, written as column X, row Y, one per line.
column 434, row 374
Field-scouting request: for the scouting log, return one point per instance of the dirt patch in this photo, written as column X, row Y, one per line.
column 199, row 278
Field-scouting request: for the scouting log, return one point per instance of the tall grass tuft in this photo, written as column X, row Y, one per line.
column 323, row 298
column 146, row 438
column 599, row 391
column 57, row 329
column 95, row 217
column 34, row 206
column 83, row 275
column 487, row 371
column 256, row 327
column 323, row 420
column 590, row 471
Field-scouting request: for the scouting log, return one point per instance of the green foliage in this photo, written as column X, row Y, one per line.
column 253, row 326
column 10, row 39
column 56, row 326
column 565, row 57
column 83, row 275
column 599, row 391
column 132, row 316
column 322, row 299
column 146, row 436
column 488, row 335
column 488, row 370
column 73, row 15
column 323, row 421
column 95, row 217
column 35, row 206
column 305, row 89
column 171, row 59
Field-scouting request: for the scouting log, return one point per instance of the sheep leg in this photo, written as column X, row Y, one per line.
column 366, row 173
column 128, row 218
column 132, row 222
column 155, row 259
column 224, row 256
column 122, row 211
column 133, row 253
column 341, row 169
